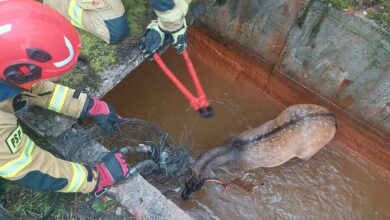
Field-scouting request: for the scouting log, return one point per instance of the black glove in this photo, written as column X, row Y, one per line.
column 179, row 38
column 112, row 169
column 104, row 114
column 153, row 40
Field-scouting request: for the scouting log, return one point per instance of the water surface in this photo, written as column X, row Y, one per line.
column 332, row 185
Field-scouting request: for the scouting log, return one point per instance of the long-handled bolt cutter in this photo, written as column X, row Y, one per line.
column 199, row 103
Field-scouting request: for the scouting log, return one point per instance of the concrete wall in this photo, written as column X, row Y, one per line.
column 342, row 58
column 347, row 63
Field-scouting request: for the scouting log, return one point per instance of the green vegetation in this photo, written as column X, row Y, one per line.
column 382, row 18
column 223, row 2
column 301, row 19
column 340, row 4
column 316, row 29
column 81, row 78
column 103, row 206
column 377, row 10
column 100, row 55
column 95, row 57
column 137, row 11
column 26, row 203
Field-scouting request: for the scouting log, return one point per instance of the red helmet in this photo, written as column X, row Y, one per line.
column 36, row 43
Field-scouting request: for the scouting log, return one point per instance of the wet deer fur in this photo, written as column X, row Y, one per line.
column 299, row 131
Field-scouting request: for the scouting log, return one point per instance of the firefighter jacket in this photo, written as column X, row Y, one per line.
column 171, row 19
column 107, row 20
column 22, row 161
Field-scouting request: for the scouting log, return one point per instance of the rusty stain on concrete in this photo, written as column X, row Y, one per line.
column 323, row 65
column 347, row 102
column 352, row 134
column 345, row 83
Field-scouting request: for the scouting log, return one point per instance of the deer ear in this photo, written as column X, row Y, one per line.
column 191, row 167
column 192, row 170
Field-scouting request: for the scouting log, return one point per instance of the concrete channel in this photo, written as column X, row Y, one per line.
column 345, row 68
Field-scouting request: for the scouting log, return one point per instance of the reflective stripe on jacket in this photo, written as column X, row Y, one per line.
column 21, row 160
column 173, row 19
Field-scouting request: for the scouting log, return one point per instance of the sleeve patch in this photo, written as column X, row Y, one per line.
column 14, row 139
column 76, row 94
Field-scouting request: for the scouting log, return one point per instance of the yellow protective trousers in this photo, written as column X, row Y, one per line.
column 103, row 18
column 22, row 161
column 107, row 19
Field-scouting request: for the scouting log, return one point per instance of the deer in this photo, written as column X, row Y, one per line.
column 299, row 131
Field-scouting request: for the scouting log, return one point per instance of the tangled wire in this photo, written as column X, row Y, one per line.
column 148, row 142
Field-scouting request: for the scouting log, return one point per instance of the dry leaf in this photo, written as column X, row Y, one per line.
column 349, row 10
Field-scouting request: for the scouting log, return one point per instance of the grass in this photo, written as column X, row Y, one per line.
column 102, row 206
column 136, row 11
column 26, row 203
column 316, row 29
column 301, row 19
column 340, row 4
column 95, row 57
column 222, row 2
column 100, row 55
column 377, row 10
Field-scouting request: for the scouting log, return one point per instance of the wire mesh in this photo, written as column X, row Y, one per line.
column 172, row 159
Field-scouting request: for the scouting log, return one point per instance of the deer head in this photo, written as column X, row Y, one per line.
column 193, row 181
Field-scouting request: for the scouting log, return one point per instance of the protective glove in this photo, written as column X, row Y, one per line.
column 104, row 114
column 153, row 39
column 111, row 169
column 179, row 38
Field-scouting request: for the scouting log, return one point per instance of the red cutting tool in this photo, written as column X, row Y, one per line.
column 200, row 103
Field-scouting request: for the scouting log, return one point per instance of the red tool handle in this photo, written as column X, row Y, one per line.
column 201, row 95
column 174, row 79
column 196, row 102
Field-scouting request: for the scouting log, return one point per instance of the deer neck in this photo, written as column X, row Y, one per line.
column 218, row 156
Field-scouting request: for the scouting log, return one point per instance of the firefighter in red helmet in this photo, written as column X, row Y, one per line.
column 37, row 44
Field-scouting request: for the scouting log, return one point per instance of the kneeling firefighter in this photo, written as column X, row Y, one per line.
column 38, row 44
column 107, row 20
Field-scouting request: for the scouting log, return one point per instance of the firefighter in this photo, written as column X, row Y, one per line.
column 106, row 19
column 39, row 44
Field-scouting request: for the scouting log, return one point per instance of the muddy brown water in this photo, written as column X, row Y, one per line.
column 332, row 185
